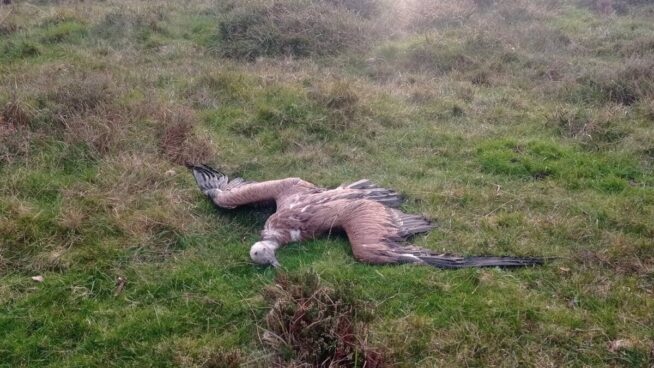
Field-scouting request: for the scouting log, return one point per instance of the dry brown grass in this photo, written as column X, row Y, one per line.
column 257, row 28
column 80, row 93
column 13, row 143
column 612, row 7
column 364, row 8
column 620, row 264
column 16, row 114
column 647, row 109
column 224, row 359
column 135, row 196
column 104, row 131
column 84, row 109
column 341, row 100
column 178, row 141
column 72, row 218
column 627, row 84
column 15, row 136
column 637, row 48
column 7, row 27
column 425, row 14
column 312, row 325
column 338, row 95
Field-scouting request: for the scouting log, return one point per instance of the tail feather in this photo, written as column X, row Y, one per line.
column 480, row 261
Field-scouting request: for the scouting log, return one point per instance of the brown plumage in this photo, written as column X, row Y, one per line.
column 368, row 214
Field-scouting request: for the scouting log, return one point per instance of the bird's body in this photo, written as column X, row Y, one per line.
column 368, row 214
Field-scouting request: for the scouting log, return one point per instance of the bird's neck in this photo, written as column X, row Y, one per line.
column 271, row 244
column 273, row 236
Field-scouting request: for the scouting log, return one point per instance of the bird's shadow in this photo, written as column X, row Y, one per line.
column 250, row 216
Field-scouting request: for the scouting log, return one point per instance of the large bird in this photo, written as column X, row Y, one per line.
column 368, row 214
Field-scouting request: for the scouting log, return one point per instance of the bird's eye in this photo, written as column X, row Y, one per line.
column 255, row 253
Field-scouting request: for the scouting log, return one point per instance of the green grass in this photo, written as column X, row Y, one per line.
column 521, row 127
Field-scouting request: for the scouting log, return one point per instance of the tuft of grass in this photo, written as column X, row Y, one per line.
column 611, row 7
column 214, row 90
column 252, row 29
column 16, row 113
column 178, row 141
column 123, row 28
column 20, row 49
column 102, row 132
column 637, row 48
column 8, row 26
column 15, row 120
column 222, row 359
column 630, row 83
column 364, row 8
column 67, row 31
column 312, row 324
column 73, row 94
column 592, row 130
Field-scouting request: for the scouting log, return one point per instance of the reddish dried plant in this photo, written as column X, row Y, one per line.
column 311, row 325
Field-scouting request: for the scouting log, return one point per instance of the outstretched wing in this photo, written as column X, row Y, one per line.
column 378, row 235
column 237, row 192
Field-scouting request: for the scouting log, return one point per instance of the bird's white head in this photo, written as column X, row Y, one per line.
column 263, row 253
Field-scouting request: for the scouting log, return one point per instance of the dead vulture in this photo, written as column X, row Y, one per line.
column 366, row 212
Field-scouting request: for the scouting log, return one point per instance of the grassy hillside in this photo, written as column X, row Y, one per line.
column 522, row 127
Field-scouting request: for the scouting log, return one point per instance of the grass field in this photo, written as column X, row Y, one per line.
column 522, row 127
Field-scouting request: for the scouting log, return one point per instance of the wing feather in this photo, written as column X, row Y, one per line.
column 209, row 179
column 365, row 189
column 238, row 191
